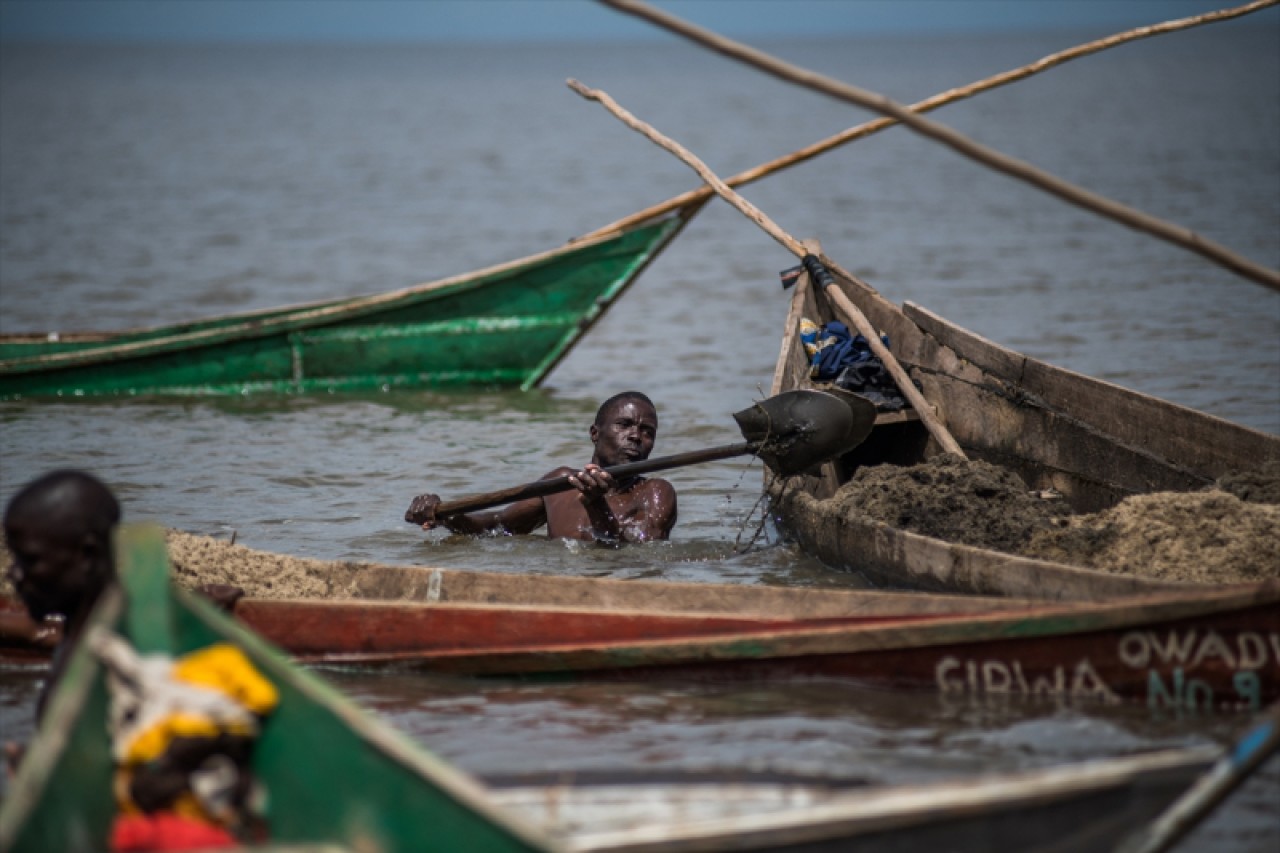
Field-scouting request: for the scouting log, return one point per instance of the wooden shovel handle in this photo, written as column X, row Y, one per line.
column 551, row 485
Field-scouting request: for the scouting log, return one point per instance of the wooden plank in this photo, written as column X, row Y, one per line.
column 1205, row 445
column 460, row 586
column 1077, row 807
column 596, row 610
column 793, row 364
column 315, row 629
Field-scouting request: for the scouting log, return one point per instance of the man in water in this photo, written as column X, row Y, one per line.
column 601, row 509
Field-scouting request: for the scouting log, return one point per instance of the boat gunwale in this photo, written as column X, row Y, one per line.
column 987, row 355
column 27, row 786
column 446, row 585
column 979, row 349
column 873, row 810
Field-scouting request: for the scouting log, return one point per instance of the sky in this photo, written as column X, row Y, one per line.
column 556, row 20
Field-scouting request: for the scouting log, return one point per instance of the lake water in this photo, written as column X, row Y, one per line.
column 140, row 186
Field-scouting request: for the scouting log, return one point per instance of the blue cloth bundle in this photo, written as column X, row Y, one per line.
column 838, row 349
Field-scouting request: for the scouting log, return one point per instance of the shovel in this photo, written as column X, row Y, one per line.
column 792, row 432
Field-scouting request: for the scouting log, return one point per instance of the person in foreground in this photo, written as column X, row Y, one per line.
column 601, row 509
column 182, row 730
column 58, row 528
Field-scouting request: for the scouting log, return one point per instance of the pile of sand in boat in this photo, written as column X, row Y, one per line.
column 200, row 560
column 1226, row 534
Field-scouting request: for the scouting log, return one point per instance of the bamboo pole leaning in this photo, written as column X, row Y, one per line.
column 935, row 426
column 1136, row 219
column 942, row 99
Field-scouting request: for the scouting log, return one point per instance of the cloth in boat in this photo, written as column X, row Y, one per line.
column 831, row 348
column 209, row 703
column 837, row 356
column 138, row 833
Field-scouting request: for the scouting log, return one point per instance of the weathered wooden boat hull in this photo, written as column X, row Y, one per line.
column 1204, row 648
column 1215, row 649
column 1094, row 442
column 406, row 608
column 314, row 629
column 506, row 326
column 406, row 800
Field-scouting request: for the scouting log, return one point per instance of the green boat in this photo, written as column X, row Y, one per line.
column 407, row 800
column 505, row 326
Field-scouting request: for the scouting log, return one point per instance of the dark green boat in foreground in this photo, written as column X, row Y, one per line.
column 333, row 774
column 505, row 326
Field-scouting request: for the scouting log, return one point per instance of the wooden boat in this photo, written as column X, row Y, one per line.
column 505, row 326
column 405, row 608
column 1091, row 441
column 1212, row 649
column 1209, row 648
column 61, row 798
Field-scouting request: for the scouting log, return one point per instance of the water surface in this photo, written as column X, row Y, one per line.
column 141, row 186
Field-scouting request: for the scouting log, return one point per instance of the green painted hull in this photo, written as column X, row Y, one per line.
column 333, row 774
column 507, row 326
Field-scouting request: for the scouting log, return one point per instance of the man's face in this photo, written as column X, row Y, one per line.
column 625, row 434
column 52, row 572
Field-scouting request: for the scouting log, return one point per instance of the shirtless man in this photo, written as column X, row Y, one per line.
column 601, row 510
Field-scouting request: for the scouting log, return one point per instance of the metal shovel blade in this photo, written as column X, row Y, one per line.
column 863, row 412
column 797, row 430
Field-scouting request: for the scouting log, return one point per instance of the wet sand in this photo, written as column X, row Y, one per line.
column 199, row 560
column 1226, row 534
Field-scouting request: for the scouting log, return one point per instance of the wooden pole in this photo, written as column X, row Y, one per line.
column 553, row 485
column 1258, row 744
column 1020, row 169
column 942, row 99
column 863, row 325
